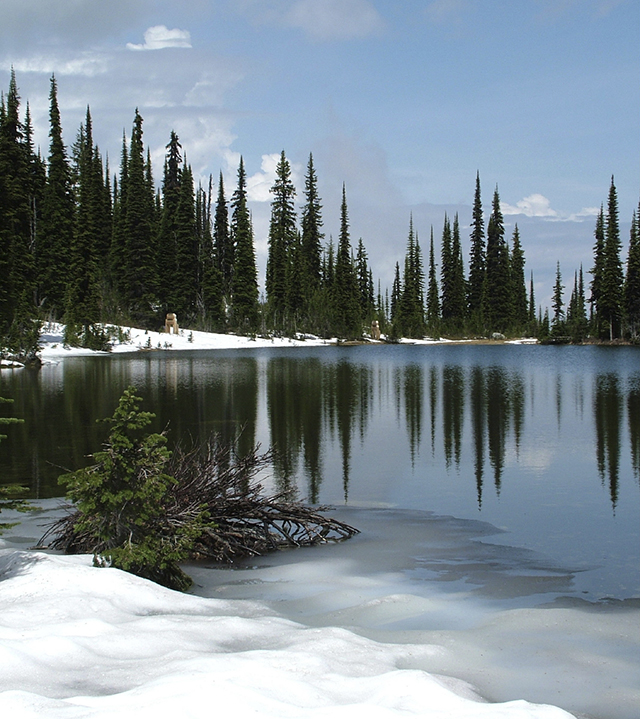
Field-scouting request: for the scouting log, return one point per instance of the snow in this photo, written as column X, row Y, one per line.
column 290, row 635
column 77, row 641
column 138, row 340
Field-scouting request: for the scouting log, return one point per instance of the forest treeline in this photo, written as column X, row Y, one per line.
column 85, row 247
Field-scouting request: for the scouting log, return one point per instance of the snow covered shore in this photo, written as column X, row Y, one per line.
column 137, row 340
column 76, row 641
column 349, row 630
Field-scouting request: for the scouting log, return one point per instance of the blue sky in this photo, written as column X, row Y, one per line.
column 403, row 101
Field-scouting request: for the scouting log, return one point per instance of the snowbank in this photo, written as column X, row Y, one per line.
column 76, row 641
column 137, row 340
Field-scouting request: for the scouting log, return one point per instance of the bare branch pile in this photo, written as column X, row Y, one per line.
column 217, row 492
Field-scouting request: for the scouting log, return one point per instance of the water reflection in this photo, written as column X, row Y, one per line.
column 607, row 410
column 480, row 415
column 633, row 417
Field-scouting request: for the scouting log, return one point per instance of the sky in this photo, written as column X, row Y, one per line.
column 403, row 102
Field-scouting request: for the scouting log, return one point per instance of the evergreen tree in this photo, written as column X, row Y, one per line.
column 632, row 278
column 610, row 304
column 458, row 300
column 518, row 286
column 497, row 295
column 396, row 290
column 168, row 283
column 117, row 251
column 433, row 297
column 184, row 300
column 557, row 326
column 365, row 285
column 83, row 296
column 222, row 239
column 576, row 310
column 122, row 500
column 282, row 237
column 140, row 273
column 311, row 231
column 411, row 309
column 477, row 264
column 597, row 273
column 17, row 265
column 244, row 289
column 446, row 275
column 55, row 231
column 211, row 293
column 532, row 324
column 346, row 304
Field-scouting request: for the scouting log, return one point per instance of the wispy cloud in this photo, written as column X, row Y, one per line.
column 444, row 11
column 160, row 37
column 537, row 205
column 260, row 183
column 323, row 20
column 86, row 64
column 335, row 19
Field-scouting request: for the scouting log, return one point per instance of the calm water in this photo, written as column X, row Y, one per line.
column 542, row 442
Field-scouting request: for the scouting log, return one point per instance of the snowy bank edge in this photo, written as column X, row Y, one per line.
column 188, row 653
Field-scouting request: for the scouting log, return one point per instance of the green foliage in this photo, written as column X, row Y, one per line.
column 346, row 297
column 122, row 499
column 244, row 287
column 477, row 263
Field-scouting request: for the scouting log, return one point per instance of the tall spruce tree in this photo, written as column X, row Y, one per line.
column 140, row 273
column 186, row 273
column 433, row 295
column 222, row 240
column 117, row 251
column 518, row 285
column 244, row 288
column 632, row 279
column 17, row 265
column 411, row 310
column 477, row 264
column 597, row 273
column 396, row 290
column 345, row 302
column 365, row 285
column 557, row 324
column 168, row 283
column 458, row 299
column 497, row 295
column 55, row 231
column 610, row 304
column 210, row 289
column 446, row 275
column 312, row 235
column 83, row 291
column 282, row 238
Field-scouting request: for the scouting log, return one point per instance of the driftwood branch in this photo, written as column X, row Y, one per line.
column 217, row 491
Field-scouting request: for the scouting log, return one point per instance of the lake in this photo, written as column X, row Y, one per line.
column 543, row 443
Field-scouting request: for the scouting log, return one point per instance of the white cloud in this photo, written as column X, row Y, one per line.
column 535, row 205
column 86, row 64
column 335, row 19
column 160, row 37
column 321, row 19
column 259, row 184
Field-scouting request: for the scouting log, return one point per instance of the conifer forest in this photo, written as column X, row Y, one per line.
column 86, row 245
